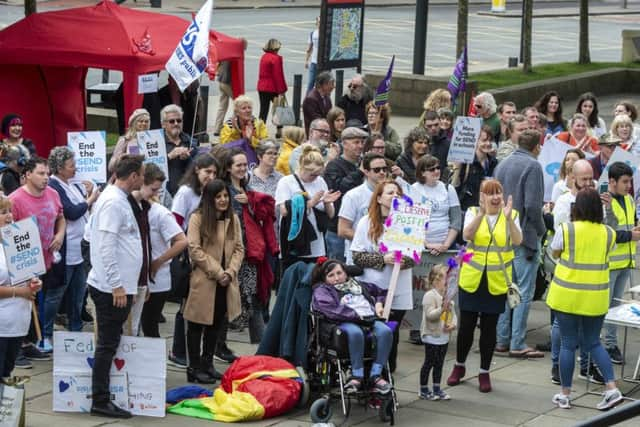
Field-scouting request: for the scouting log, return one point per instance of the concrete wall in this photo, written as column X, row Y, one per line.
column 409, row 91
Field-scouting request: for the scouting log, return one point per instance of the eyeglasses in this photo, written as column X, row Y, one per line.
column 433, row 169
column 380, row 169
column 174, row 121
column 352, row 86
column 478, row 106
column 322, row 131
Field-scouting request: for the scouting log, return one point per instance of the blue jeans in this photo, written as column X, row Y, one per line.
column 512, row 334
column 584, row 331
column 75, row 283
column 555, row 347
column 313, row 71
column 355, row 336
column 335, row 246
column 617, row 282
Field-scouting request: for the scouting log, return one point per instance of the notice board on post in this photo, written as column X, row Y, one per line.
column 340, row 34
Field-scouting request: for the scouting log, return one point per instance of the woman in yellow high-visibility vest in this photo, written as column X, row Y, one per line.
column 492, row 230
column 579, row 293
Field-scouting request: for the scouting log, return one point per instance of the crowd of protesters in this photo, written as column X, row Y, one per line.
column 214, row 234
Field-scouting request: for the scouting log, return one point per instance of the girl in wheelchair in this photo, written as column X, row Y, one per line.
column 349, row 303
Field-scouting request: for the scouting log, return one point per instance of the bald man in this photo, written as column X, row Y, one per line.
column 580, row 177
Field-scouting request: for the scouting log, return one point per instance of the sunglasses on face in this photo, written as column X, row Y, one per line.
column 433, row 169
column 174, row 121
column 380, row 169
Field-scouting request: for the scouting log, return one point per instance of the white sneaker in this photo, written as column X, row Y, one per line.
column 610, row 399
column 45, row 345
column 562, row 400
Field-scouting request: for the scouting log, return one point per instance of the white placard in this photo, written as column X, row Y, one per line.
column 23, row 250
column 141, row 360
column 405, row 228
column 90, row 149
column 152, row 145
column 147, row 83
column 466, row 132
column 620, row 155
column 72, row 392
column 551, row 158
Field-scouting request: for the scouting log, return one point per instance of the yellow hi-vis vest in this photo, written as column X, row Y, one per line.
column 624, row 254
column 580, row 282
column 485, row 256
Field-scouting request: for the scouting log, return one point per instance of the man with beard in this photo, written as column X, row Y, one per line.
column 354, row 102
column 319, row 132
column 180, row 147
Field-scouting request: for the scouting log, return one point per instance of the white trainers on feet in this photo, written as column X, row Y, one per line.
column 562, row 400
column 610, row 399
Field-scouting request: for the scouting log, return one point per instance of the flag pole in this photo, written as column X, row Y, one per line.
column 195, row 112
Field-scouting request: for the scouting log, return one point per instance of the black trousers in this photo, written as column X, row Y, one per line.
column 397, row 316
column 9, row 347
column 468, row 322
column 110, row 321
column 434, row 356
column 208, row 334
column 151, row 313
column 265, row 103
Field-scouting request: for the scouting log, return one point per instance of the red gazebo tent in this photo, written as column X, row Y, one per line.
column 44, row 60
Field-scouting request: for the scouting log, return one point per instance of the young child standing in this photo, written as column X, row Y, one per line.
column 437, row 322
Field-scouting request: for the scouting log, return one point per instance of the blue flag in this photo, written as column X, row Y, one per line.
column 382, row 93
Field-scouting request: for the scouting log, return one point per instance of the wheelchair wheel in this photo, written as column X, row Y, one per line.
column 321, row 410
column 386, row 411
column 306, row 390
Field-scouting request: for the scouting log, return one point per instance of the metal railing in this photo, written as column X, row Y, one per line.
column 614, row 416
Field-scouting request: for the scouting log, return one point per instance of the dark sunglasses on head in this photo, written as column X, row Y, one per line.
column 380, row 169
column 174, row 121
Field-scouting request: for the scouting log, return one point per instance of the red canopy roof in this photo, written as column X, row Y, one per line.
column 102, row 36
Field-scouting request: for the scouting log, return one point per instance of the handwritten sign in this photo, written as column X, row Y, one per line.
column 551, row 158
column 72, row 392
column 23, row 250
column 147, row 83
column 466, row 132
column 152, row 145
column 620, row 155
column 90, row 149
column 405, row 228
column 141, row 360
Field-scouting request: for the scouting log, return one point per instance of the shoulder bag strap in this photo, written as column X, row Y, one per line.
column 504, row 270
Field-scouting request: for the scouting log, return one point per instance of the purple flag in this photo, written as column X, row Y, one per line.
column 252, row 160
column 382, row 93
column 458, row 81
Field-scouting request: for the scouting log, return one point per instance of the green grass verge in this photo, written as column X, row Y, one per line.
column 496, row 79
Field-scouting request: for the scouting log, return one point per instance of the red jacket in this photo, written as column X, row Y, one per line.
column 271, row 74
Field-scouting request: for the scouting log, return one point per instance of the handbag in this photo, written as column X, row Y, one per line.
column 322, row 219
column 12, row 402
column 180, row 268
column 513, row 291
column 283, row 114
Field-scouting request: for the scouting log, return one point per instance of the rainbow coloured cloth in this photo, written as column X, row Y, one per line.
column 253, row 388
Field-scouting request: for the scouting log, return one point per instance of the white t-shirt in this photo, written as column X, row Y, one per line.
column 15, row 313
column 313, row 41
column 75, row 228
column 287, row 188
column 114, row 228
column 355, row 204
column 185, row 202
column 559, row 188
column 562, row 209
column 469, row 216
column 163, row 227
column 403, row 297
column 441, row 198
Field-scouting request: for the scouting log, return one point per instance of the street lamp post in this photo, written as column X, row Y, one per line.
column 420, row 36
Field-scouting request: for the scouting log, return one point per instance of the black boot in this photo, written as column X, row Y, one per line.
column 197, row 374
column 209, row 368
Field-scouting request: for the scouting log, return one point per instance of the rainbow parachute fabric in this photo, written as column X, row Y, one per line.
column 253, row 388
